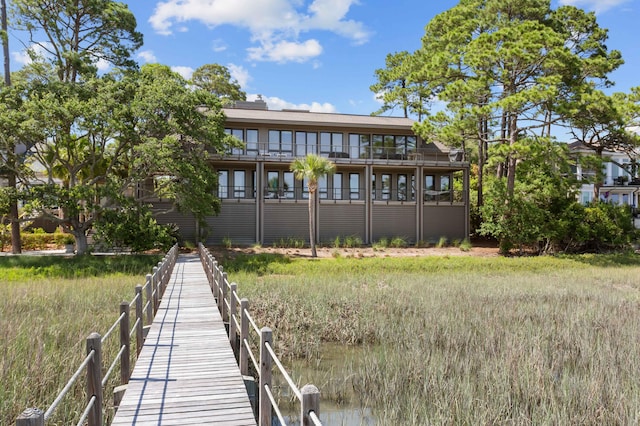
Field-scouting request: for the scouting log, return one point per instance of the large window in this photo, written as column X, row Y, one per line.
column 337, row 186
column 238, row 134
column 239, row 188
column 288, row 185
column 252, row 141
column 306, row 143
column 385, row 182
column 330, row 143
column 359, row 146
column 429, row 188
column 445, row 188
column 354, row 186
column 322, row 187
column 402, row 187
column 223, row 184
column 280, row 141
column 273, row 185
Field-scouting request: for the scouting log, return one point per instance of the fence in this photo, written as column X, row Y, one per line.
column 235, row 311
column 154, row 287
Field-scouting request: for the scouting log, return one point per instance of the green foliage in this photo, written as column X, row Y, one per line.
column 398, row 242
column 289, row 242
column 216, row 79
column 133, row 226
column 348, row 241
column 227, row 243
column 442, row 242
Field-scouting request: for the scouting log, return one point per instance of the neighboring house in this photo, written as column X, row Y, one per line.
column 388, row 182
column 620, row 185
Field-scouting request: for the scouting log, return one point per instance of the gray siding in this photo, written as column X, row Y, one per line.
column 341, row 220
column 393, row 221
column 285, row 220
column 444, row 221
column 236, row 221
column 185, row 222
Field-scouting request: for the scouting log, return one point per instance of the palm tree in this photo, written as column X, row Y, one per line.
column 312, row 167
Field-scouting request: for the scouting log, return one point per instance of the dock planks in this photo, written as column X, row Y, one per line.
column 186, row 372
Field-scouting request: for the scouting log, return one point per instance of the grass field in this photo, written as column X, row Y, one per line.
column 459, row 340
column 48, row 306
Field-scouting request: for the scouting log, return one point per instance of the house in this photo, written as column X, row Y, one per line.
column 388, row 181
column 620, row 185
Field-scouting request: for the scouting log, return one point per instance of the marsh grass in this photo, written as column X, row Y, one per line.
column 461, row 340
column 48, row 307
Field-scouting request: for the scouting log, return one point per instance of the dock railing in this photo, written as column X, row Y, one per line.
column 93, row 364
column 235, row 311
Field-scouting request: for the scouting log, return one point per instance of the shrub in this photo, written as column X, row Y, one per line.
column 289, row 242
column 398, row 242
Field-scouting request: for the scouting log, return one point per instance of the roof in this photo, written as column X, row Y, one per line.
column 306, row 118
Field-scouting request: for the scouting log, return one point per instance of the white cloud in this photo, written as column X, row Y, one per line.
column 186, row 72
column 218, row 45
column 275, row 25
column 103, row 65
column 285, row 51
column 24, row 57
column 240, row 74
column 598, row 6
column 147, row 56
column 276, row 103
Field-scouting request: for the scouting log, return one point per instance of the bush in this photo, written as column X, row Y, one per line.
column 134, row 227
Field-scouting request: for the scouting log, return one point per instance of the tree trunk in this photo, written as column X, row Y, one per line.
column 312, row 237
column 81, row 242
column 16, row 243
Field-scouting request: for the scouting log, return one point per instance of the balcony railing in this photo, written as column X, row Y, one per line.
column 344, row 194
column 347, row 153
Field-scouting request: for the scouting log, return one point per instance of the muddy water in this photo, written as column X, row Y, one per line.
column 333, row 374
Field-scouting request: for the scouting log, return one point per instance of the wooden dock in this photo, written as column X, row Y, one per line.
column 186, row 372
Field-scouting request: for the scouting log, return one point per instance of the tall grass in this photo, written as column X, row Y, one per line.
column 48, row 307
column 461, row 340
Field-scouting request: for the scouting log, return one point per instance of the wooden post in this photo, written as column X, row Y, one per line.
column 125, row 340
column 139, row 319
column 233, row 331
column 244, row 335
column 149, row 299
column 264, row 416
column 94, row 378
column 225, row 294
column 214, row 275
column 156, row 294
column 31, row 417
column 310, row 402
column 160, row 279
column 220, row 288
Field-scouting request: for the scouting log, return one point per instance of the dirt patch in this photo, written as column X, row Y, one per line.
column 482, row 250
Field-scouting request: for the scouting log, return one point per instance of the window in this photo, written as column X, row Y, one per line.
column 273, row 185
column 359, row 146
column 252, row 141
column 223, row 184
column 402, row 187
column 322, row 187
column 330, row 142
column 373, row 187
column 429, row 188
column 238, row 134
column 445, row 188
column 238, row 184
column 280, row 141
column 377, row 145
column 354, row 186
column 288, row 185
column 386, row 186
column 337, row 186
column 306, row 143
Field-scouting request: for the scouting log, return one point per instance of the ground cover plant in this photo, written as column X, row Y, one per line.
column 48, row 306
column 458, row 340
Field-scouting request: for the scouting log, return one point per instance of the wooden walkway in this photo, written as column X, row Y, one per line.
column 186, row 372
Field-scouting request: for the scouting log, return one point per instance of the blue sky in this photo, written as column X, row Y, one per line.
column 321, row 54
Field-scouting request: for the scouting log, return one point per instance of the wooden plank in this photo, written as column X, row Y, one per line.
column 186, row 372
